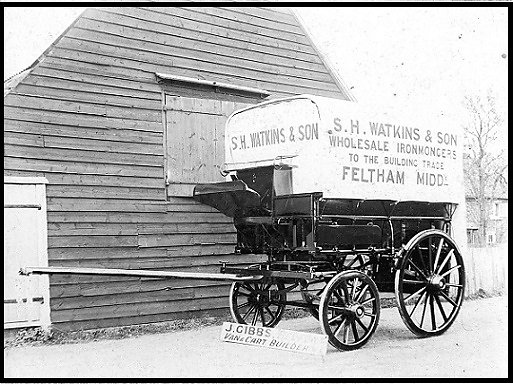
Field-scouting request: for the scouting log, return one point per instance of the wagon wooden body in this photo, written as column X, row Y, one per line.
column 338, row 221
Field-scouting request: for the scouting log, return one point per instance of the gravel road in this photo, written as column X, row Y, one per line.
column 475, row 346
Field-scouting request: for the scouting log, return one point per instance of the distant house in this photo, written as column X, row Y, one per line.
column 497, row 214
column 120, row 117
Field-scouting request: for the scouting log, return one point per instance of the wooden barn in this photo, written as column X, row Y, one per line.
column 105, row 136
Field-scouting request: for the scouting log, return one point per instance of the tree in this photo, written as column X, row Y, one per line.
column 485, row 167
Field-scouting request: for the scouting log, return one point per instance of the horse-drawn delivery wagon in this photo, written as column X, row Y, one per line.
column 346, row 203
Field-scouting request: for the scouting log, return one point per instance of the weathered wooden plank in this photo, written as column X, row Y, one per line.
column 71, row 155
column 98, row 78
column 100, row 313
column 75, row 229
column 57, row 256
column 103, row 205
column 64, row 179
column 105, row 192
column 88, row 108
column 72, row 61
column 167, row 228
column 91, row 241
column 208, row 62
column 92, row 121
column 79, row 94
column 228, row 28
column 140, row 319
column 138, row 297
column 276, row 14
column 96, row 133
column 208, row 46
column 75, row 167
column 79, row 143
column 165, row 23
column 240, row 22
column 269, row 20
column 93, row 290
column 129, row 217
column 94, row 87
column 164, row 240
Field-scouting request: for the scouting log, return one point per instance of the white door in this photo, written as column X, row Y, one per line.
column 26, row 298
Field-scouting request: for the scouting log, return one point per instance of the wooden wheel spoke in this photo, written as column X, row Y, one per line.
column 346, row 293
column 437, row 299
column 451, row 252
column 369, row 300
column 418, row 302
column 430, row 255
column 450, row 270
column 415, row 294
column 339, row 327
column 335, row 318
column 417, row 269
column 361, row 295
column 247, row 287
column 336, row 308
column 339, row 296
column 424, row 311
column 345, row 338
column 438, row 252
column 255, row 317
column 365, row 329
column 373, row 315
column 432, row 308
column 240, row 306
column 355, row 331
column 261, row 310
column 448, row 299
column 270, row 313
column 353, row 293
column 422, row 259
column 454, row 285
column 243, row 294
column 253, row 306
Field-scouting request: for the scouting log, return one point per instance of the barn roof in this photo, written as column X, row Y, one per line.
column 226, row 42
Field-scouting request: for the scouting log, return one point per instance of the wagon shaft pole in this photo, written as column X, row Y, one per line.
column 137, row 272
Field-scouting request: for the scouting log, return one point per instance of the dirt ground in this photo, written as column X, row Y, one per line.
column 475, row 346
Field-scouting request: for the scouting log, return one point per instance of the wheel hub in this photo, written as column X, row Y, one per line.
column 436, row 283
column 357, row 310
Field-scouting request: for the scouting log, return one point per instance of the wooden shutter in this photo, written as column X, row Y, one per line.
column 194, row 141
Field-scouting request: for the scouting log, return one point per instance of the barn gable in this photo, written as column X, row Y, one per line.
column 94, row 114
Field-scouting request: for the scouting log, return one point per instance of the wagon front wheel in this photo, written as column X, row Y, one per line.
column 429, row 283
column 256, row 303
column 349, row 310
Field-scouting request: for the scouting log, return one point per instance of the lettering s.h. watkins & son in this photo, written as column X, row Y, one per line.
column 346, row 149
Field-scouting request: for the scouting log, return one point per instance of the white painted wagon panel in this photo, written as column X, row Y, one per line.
column 348, row 150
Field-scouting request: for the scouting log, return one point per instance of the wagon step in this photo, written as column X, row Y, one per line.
column 137, row 272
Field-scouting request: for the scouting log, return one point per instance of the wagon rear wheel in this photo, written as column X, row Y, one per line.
column 253, row 303
column 349, row 310
column 430, row 283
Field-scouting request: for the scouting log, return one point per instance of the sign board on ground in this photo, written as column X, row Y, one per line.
column 275, row 338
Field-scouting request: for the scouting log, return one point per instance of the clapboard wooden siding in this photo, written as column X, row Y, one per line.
column 88, row 117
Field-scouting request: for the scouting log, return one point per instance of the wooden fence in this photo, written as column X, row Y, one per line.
column 486, row 269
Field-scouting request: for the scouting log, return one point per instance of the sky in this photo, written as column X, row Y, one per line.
column 416, row 57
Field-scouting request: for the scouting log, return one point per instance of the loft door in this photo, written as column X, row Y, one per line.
column 194, row 141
